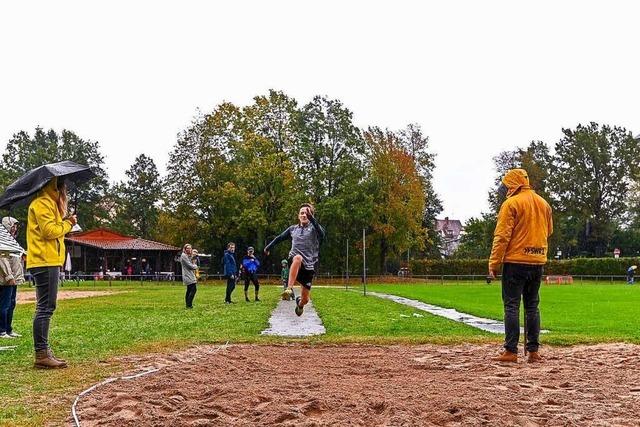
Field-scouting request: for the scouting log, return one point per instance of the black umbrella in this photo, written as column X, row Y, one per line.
column 28, row 185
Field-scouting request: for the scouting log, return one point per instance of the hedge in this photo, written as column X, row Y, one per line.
column 575, row 267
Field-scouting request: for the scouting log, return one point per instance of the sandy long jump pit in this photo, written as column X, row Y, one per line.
column 400, row 385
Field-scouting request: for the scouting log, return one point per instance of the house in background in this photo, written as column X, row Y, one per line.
column 110, row 253
column 449, row 231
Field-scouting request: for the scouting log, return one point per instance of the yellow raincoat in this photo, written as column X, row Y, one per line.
column 46, row 229
column 524, row 224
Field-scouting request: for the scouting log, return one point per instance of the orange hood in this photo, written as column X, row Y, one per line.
column 514, row 180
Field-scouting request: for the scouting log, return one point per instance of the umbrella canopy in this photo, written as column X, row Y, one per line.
column 8, row 244
column 33, row 181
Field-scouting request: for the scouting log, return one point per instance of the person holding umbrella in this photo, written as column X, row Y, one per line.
column 48, row 222
column 47, row 225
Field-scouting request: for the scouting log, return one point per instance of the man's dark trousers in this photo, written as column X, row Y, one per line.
column 231, row 284
column 521, row 281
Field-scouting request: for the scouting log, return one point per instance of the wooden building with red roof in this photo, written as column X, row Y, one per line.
column 104, row 250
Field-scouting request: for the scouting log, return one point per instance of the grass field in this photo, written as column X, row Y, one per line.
column 91, row 332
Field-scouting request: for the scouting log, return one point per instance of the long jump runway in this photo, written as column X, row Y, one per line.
column 489, row 325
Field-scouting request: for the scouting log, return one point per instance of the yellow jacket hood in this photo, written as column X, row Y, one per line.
column 514, row 180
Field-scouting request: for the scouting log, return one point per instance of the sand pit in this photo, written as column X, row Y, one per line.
column 24, row 297
column 373, row 385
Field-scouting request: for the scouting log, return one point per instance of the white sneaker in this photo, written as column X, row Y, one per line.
column 14, row 335
column 5, row 335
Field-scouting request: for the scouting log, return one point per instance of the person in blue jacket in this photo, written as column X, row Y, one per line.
column 250, row 265
column 230, row 271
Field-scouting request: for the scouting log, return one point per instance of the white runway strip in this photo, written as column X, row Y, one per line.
column 489, row 325
column 285, row 323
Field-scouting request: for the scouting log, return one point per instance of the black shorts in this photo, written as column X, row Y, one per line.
column 304, row 277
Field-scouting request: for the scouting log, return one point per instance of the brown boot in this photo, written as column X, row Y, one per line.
column 506, row 356
column 55, row 357
column 534, row 357
column 45, row 361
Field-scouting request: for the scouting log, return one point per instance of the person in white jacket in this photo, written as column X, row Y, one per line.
column 11, row 275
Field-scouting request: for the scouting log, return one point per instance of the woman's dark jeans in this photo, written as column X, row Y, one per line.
column 7, row 305
column 46, row 279
column 191, row 293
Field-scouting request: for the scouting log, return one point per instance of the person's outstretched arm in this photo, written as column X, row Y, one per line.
column 286, row 234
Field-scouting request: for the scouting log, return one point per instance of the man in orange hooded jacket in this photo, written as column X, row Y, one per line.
column 520, row 245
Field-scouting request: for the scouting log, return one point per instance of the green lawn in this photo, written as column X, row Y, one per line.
column 574, row 314
column 91, row 332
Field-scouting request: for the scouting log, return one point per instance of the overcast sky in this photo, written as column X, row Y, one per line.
column 478, row 76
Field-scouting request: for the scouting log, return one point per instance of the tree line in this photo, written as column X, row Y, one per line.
column 239, row 173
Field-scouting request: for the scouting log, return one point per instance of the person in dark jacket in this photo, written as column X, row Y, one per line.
column 250, row 265
column 230, row 270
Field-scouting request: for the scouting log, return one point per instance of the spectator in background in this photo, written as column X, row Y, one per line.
column 188, row 274
column 12, row 276
column 630, row 272
column 230, row 271
column 250, row 265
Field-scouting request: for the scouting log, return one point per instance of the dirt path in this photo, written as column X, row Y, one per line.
column 374, row 385
column 24, row 297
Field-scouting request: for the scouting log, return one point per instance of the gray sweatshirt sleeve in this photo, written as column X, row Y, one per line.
column 286, row 234
column 186, row 262
column 319, row 229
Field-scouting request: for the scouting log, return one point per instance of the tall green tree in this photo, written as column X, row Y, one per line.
column 138, row 196
column 329, row 164
column 330, row 154
column 594, row 166
column 264, row 170
column 202, row 196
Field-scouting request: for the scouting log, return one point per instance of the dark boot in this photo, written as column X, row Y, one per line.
column 246, row 296
column 45, row 361
column 257, row 299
